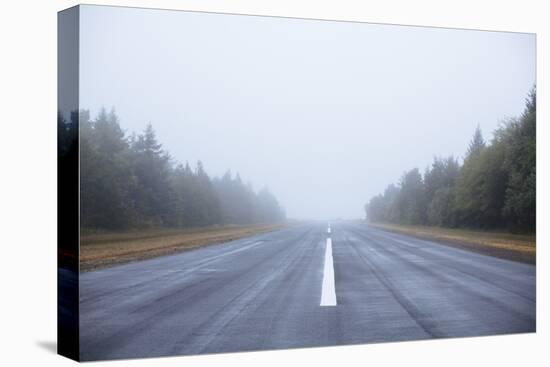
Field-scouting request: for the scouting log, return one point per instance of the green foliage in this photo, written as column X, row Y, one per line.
column 240, row 204
column 104, row 171
column 439, row 183
column 151, row 171
column 481, row 187
column 494, row 188
column 440, row 209
column 411, row 201
column 476, row 144
column 520, row 163
column 131, row 182
column 383, row 208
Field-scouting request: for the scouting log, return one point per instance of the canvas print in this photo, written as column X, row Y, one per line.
column 233, row 183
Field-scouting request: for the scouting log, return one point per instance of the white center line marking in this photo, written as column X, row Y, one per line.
column 328, row 229
column 328, row 292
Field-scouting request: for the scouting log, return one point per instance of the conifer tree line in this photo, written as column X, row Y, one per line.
column 493, row 188
column 130, row 181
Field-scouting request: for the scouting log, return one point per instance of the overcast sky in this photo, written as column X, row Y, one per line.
column 326, row 114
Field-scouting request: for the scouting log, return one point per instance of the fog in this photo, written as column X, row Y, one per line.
column 326, row 114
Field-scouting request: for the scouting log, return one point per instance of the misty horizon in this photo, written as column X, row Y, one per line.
column 313, row 127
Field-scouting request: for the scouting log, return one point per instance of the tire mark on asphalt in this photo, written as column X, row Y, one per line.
column 87, row 299
column 208, row 331
column 197, row 291
column 419, row 317
column 433, row 257
column 476, row 294
column 436, row 258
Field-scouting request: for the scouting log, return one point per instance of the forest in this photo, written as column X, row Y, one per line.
column 494, row 187
column 129, row 181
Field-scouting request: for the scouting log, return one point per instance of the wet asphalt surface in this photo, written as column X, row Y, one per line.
column 263, row 292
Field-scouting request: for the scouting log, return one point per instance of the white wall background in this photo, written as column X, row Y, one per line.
column 28, row 181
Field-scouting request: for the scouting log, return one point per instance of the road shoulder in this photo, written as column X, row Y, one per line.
column 505, row 246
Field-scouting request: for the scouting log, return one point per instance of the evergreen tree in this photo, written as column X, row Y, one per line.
column 104, row 171
column 153, row 192
column 132, row 182
column 411, row 201
column 268, row 209
column 494, row 188
column 439, row 182
column 520, row 162
column 469, row 190
column 476, row 144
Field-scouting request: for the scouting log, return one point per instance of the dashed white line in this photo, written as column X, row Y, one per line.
column 328, row 291
column 328, row 229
